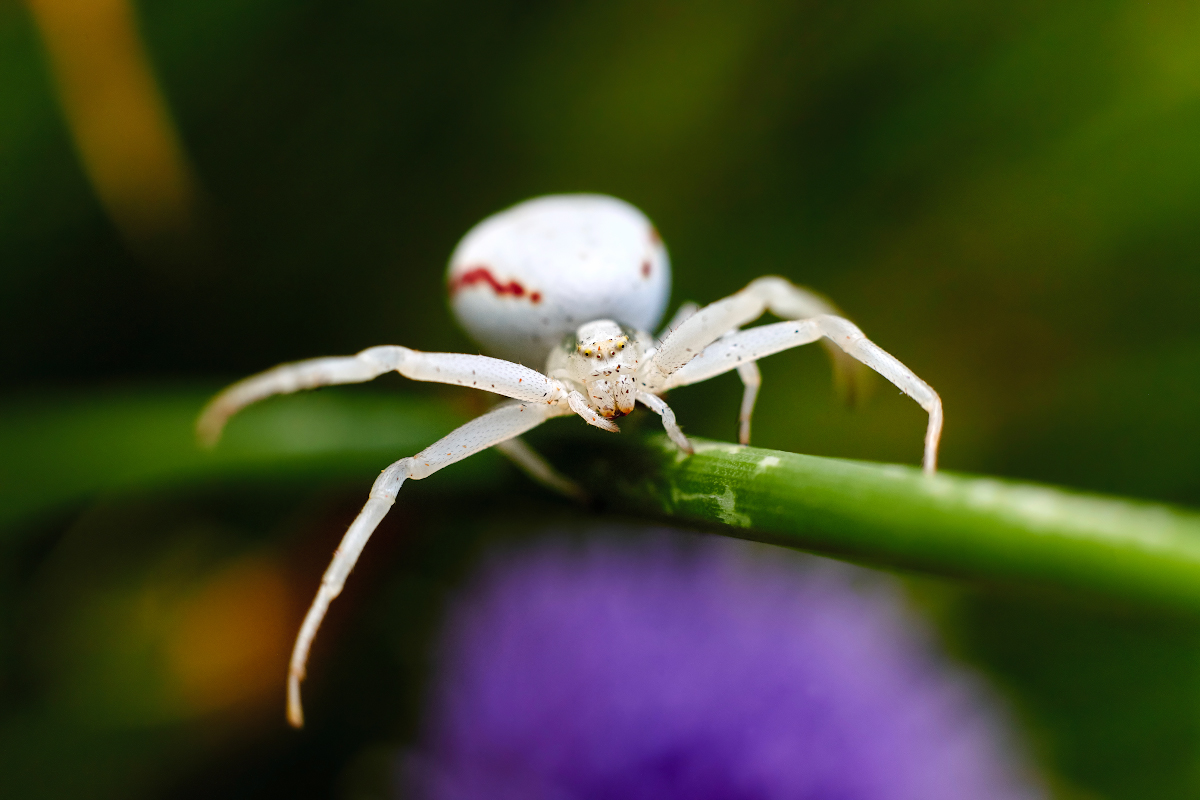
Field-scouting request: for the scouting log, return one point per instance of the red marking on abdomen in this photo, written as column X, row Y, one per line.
column 474, row 275
column 645, row 269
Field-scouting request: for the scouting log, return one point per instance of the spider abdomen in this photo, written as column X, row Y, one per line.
column 526, row 277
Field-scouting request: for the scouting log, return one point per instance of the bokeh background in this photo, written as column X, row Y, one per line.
column 1004, row 195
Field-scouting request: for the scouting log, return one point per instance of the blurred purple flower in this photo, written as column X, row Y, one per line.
column 677, row 666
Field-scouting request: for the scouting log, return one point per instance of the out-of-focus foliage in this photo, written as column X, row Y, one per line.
column 1001, row 194
column 145, row 439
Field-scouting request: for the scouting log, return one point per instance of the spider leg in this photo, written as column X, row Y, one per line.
column 777, row 295
column 580, row 406
column 540, row 470
column 735, row 350
column 492, row 428
column 681, row 314
column 751, row 381
column 481, row 372
column 659, row 406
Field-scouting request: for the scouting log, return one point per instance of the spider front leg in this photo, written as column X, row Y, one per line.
column 691, row 333
column 496, row 426
column 479, row 372
column 682, row 314
column 544, row 398
column 738, row 349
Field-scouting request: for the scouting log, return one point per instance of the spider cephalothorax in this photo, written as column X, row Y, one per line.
column 602, row 358
column 593, row 269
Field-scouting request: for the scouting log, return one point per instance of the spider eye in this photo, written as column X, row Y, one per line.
column 621, row 346
column 587, row 353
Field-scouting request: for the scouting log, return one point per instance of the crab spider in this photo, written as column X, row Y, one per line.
column 581, row 278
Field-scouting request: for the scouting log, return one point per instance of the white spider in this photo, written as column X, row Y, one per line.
column 593, row 270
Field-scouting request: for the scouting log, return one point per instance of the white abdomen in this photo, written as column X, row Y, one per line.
column 523, row 279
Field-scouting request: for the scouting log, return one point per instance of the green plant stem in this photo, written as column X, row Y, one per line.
column 980, row 529
column 56, row 453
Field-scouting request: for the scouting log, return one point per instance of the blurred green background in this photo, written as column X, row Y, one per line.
column 1004, row 195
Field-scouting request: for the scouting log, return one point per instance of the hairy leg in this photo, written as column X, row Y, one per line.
column 681, row 315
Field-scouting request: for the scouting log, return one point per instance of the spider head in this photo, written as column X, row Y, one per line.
column 604, row 358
